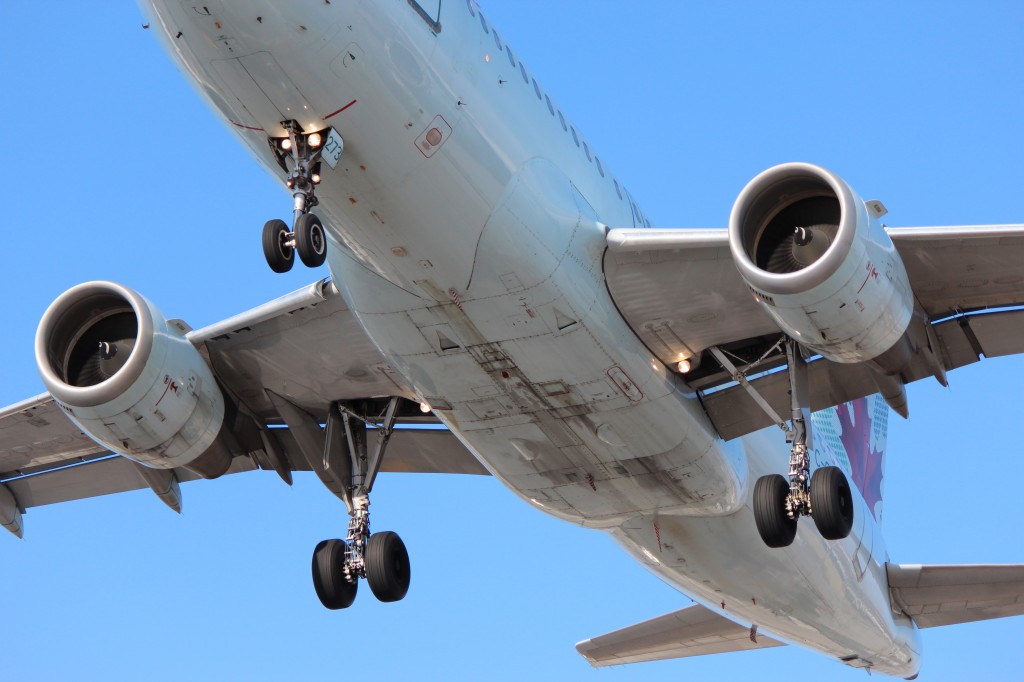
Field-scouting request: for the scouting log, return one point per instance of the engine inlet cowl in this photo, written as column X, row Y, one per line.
column 819, row 263
column 131, row 380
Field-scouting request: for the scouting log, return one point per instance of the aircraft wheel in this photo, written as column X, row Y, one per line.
column 332, row 587
column 279, row 255
column 831, row 503
column 387, row 566
column 310, row 240
column 773, row 523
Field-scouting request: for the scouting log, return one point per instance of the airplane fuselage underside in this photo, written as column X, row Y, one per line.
column 466, row 228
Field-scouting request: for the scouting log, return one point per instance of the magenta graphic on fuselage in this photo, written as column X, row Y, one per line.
column 866, row 463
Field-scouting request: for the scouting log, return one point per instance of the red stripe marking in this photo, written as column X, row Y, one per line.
column 167, row 387
column 335, row 113
column 872, row 272
column 242, row 126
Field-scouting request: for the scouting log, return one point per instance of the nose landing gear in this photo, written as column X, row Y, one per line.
column 299, row 155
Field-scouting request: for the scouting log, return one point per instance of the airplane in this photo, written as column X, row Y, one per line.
column 803, row 525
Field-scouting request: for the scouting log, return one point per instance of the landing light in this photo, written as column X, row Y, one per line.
column 314, row 140
column 425, row 408
column 286, row 144
column 315, row 178
column 684, row 366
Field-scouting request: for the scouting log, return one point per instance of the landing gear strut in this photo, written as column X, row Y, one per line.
column 779, row 501
column 380, row 558
column 825, row 496
column 299, row 155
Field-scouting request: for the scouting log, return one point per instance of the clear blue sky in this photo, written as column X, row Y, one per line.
column 114, row 169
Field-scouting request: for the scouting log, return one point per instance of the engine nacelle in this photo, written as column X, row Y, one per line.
column 819, row 262
column 131, row 381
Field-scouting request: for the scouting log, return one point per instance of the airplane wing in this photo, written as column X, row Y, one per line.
column 945, row 595
column 681, row 293
column 288, row 347
column 693, row 631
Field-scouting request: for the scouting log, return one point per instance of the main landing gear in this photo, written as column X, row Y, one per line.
column 778, row 501
column 380, row 558
column 307, row 237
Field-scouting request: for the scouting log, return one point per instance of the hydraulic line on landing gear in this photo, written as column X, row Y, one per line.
column 798, row 502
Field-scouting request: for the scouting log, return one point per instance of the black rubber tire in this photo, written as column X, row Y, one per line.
column 310, row 240
column 333, row 589
column 773, row 524
column 387, row 566
column 279, row 257
column 831, row 503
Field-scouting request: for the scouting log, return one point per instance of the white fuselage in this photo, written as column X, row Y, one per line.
column 474, row 264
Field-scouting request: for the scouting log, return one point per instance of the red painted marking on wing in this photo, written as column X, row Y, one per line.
column 865, row 461
column 335, row 113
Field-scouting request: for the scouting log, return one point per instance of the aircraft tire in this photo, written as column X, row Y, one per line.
column 773, row 524
column 310, row 240
column 280, row 257
column 332, row 587
column 831, row 503
column 387, row 566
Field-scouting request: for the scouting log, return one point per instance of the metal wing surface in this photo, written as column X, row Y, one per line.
column 693, row 631
column 936, row 595
column 306, row 346
column 681, row 293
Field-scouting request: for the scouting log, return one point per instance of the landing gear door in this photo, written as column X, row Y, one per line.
column 332, row 149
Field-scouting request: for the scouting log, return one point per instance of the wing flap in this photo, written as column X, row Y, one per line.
column 963, row 340
column 693, row 631
column 997, row 334
column 935, row 595
column 734, row 413
column 112, row 474
column 409, row 451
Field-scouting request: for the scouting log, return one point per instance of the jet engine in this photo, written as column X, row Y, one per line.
column 132, row 381
column 821, row 265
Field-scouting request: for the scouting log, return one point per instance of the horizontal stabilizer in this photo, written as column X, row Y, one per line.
column 693, row 631
column 945, row 595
